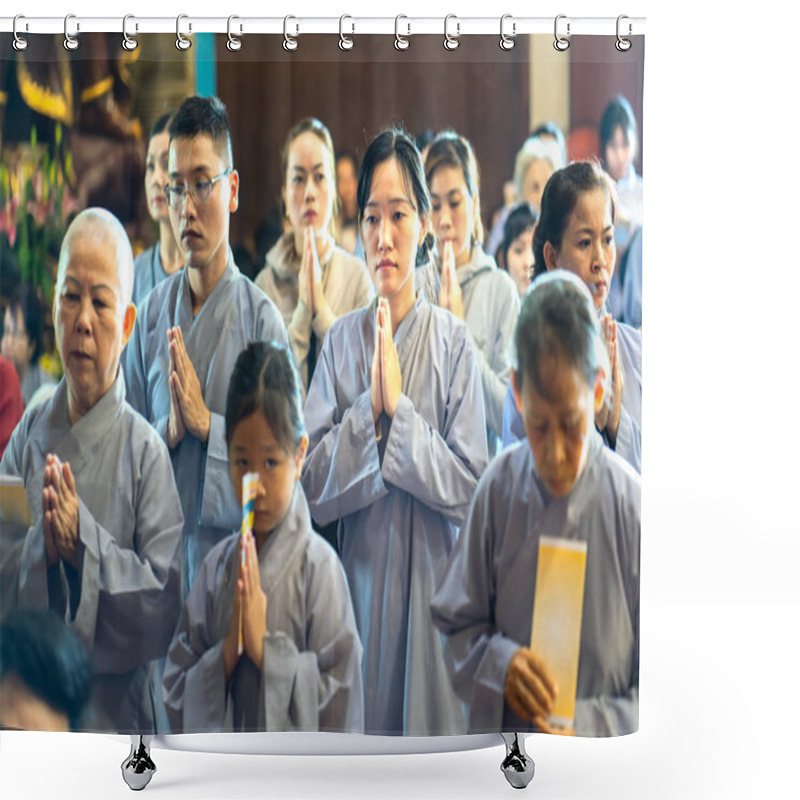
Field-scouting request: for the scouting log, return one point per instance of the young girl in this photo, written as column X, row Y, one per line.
column 515, row 254
column 471, row 285
column 310, row 278
column 165, row 257
column 396, row 430
column 576, row 233
column 562, row 483
column 299, row 668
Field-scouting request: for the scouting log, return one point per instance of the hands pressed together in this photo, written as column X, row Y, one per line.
column 309, row 280
column 187, row 409
column 386, row 382
column 450, row 291
column 249, row 610
column 607, row 416
column 60, row 513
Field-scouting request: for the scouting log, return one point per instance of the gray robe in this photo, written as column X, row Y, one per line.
column 400, row 500
column 484, row 604
column 491, row 307
column 147, row 272
column 629, row 432
column 346, row 285
column 236, row 313
column 124, row 600
column 311, row 677
column 36, row 376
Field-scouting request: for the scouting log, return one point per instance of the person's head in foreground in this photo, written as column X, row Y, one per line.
column 45, row 673
column 203, row 187
column 265, row 431
column 394, row 209
column 575, row 231
column 92, row 307
column 560, row 376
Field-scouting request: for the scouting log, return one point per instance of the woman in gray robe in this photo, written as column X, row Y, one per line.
column 481, row 294
column 571, row 487
column 396, row 444
column 113, row 572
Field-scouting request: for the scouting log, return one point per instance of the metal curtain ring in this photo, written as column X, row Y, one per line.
column 451, row 42
column 182, row 43
column 561, row 43
column 400, row 42
column 234, row 43
column 345, row 42
column 623, row 45
column 128, row 42
column 507, row 42
column 289, row 42
column 20, row 43
column 70, row 42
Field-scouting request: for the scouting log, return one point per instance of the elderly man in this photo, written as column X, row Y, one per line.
column 103, row 550
column 194, row 324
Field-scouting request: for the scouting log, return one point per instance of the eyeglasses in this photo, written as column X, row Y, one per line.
column 199, row 190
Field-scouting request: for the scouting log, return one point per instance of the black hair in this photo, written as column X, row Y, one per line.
column 396, row 143
column 559, row 199
column 348, row 155
column 424, row 138
column 449, row 149
column 557, row 320
column 264, row 379
column 161, row 124
column 618, row 114
column 27, row 301
column 38, row 648
column 522, row 217
column 204, row 115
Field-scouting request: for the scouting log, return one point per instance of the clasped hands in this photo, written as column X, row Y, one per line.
column 309, row 281
column 249, row 611
column 187, row 409
column 386, row 382
column 450, row 290
column 60, row 513
column 607, row 416
column 530, row 690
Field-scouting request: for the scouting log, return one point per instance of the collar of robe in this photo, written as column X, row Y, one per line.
column 479, row 262
column 284, row 261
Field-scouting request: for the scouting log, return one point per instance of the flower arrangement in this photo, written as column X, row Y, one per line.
column 36, row 202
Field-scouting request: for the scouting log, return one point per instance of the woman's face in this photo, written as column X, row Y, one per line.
column 254, row 448
column 309, row 184
column 347, row 185
column 519, row 260
column 534, row 181
column 619, row 154
column 557, row 422
column 587, row 246
column 156, row 177
column 392, row 231
column 16, row 345
column 452, row 211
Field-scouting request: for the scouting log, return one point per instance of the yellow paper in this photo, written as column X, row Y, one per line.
column 557, row 614
column 14, row 501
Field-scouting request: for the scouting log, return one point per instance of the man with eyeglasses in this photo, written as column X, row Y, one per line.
column 194, row 324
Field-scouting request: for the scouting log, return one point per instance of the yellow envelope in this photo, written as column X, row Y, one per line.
column 14, row 501
column 557, row 614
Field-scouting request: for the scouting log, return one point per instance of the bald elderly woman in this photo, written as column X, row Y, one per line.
column 103, row 549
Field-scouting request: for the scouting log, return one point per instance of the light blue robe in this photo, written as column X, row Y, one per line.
column 148, row 271
column 484, row 605
column 629, row 432
column 400, row 500
column 123, row 602
column 236, row 313
column 311, row 671
column 491, row 307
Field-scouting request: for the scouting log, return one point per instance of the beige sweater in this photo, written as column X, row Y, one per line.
column 346, row 285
